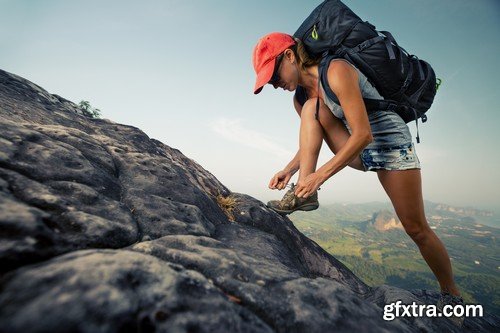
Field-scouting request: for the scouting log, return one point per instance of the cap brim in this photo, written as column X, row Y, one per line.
column 264, row 76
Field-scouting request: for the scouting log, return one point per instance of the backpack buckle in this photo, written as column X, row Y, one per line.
column 392, row 107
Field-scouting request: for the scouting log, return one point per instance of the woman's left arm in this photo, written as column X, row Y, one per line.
column 343, row 80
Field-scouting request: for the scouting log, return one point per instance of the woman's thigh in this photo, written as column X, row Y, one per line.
column 404, row 188
column 335, row 133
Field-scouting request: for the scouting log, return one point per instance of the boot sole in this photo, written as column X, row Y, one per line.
column 305, row 208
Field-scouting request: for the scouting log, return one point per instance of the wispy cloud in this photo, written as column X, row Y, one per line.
column 233, row 130
column 454, row 74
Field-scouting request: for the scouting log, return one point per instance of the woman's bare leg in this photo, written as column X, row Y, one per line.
column 312, row 133
column 404, row 188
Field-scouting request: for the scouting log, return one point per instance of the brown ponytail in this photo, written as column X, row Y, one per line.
column 303, row 58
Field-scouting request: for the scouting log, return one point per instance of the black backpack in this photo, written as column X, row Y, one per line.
column 407, row 83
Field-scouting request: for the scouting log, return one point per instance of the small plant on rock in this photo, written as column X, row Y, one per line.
column 88, row 110
column 227, row 204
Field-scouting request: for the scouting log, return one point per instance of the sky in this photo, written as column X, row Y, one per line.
column 181, row 71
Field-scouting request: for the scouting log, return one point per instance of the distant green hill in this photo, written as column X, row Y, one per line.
column 356, row 235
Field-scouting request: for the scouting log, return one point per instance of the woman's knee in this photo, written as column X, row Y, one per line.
column 419, row 231
column 309, row 110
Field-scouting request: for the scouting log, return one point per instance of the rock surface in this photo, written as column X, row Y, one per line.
column 106, row 230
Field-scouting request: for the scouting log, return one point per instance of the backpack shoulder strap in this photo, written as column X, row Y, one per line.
column 323, row 70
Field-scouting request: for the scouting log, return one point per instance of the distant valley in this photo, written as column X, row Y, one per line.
column 370, row 240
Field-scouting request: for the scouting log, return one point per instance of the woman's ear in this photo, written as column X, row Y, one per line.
column 290, row 55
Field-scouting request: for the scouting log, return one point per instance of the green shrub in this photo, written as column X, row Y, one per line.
column 88, row 110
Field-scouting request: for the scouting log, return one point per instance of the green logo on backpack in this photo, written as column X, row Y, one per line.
column 314, row 33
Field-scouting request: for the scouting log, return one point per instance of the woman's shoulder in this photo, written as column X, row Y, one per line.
column 342, row 74
column 341, row 62
column 341, row 67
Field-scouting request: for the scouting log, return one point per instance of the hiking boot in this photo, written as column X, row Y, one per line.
column 290, row 202
column 449, row 299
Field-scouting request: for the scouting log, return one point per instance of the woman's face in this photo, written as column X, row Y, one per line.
column 285, row 75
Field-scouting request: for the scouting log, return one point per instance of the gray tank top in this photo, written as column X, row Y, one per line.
column 388, row 129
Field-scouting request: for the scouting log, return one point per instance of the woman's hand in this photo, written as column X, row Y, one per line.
column 280, row 180
column 309, row 185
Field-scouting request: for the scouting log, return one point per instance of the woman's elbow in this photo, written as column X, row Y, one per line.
column 369, row 138
column 365, row 138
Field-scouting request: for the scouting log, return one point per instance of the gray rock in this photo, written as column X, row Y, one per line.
column 103, row 229
column 118, row 290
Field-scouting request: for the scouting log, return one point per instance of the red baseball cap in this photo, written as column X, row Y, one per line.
column 264, row 56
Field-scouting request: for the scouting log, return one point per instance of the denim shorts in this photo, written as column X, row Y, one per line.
column 401, row 157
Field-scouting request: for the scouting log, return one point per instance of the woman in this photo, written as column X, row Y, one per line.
column 379, row 141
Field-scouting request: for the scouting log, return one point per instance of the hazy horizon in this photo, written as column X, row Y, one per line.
column 494, row 221
column 181, row 71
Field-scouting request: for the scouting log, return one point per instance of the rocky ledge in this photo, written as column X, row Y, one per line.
column 104, row 229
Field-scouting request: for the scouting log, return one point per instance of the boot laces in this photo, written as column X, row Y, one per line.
column 292, row 186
